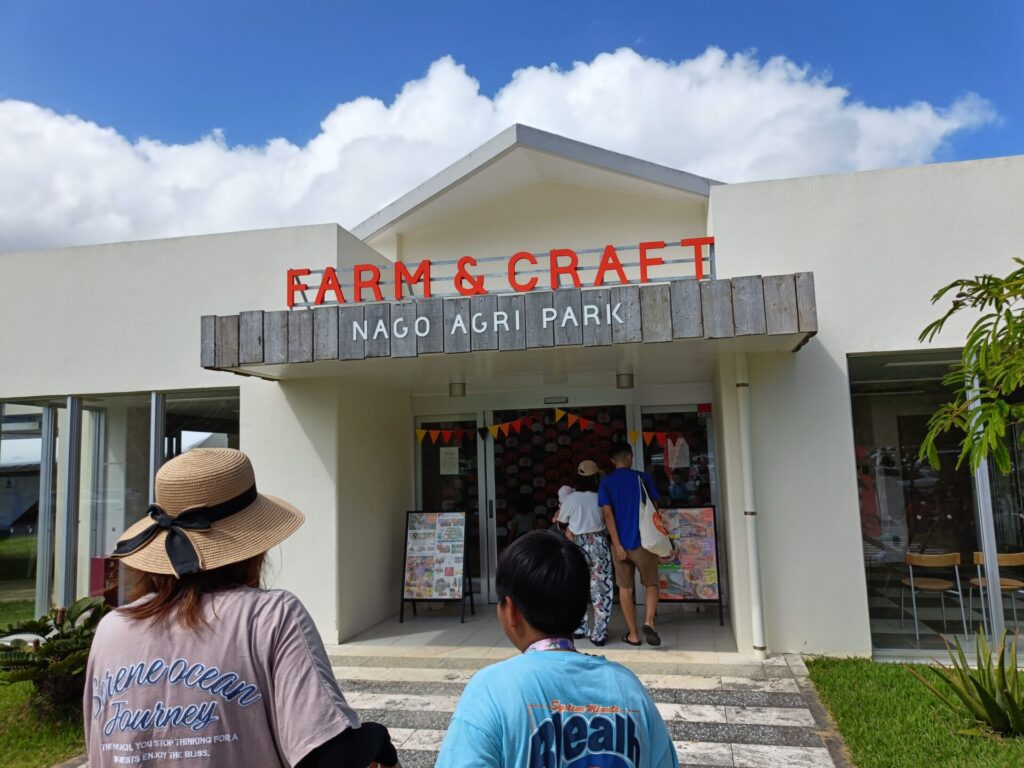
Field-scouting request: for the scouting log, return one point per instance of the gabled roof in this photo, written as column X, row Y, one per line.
column 542, row 147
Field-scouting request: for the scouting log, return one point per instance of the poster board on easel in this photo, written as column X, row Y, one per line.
column 434, row 561
column 692, row 575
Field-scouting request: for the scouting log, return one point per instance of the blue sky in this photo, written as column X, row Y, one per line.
column 126, row 120
column 258, row 69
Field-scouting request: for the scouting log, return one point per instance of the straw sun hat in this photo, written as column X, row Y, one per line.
column 207, row 515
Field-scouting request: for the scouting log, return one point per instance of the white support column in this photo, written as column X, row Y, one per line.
column 749, row 507
column 47, row 509
column 987, row 537
column 67, row 588
column 157, row 411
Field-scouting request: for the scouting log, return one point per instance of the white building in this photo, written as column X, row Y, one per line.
column 115, row 356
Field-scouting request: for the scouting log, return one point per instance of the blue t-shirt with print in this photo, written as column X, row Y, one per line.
column 621, row 491
column 556, row 709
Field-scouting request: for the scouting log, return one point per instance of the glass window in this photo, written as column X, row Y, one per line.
column 204, row 419
column 114, row 484
column 20, row 450
column 918, row 524
column 679, row 456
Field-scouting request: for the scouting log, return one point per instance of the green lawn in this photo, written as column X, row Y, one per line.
column 26, row 741
column 17, row 557
column 889, row 720
column 16, row 611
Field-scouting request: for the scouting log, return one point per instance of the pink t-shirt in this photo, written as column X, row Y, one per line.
column 254, row 688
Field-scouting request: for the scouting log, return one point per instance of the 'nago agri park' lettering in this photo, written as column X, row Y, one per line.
column 481, row 322
column 562, row 269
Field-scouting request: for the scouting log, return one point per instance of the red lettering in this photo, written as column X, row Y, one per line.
column 610, row 260
column 557, row 270
column 360, row 283
column 294, row 286
column 329, row 283
column 649, row 261
column 698, row 253
column 422, row 274
column 530, row 284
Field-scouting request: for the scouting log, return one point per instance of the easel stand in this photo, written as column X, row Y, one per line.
column 467, row 593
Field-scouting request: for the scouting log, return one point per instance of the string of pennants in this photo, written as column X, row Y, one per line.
column 514, row 427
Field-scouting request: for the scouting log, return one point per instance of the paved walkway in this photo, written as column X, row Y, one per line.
column 722, row 708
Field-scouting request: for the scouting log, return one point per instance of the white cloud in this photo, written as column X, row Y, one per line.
column 64, row 180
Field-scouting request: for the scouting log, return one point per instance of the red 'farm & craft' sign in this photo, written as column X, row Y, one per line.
column 562, row 264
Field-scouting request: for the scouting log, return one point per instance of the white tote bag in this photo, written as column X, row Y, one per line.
column 653, row 536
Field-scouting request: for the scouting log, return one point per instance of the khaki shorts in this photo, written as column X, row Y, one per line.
column 636, row 559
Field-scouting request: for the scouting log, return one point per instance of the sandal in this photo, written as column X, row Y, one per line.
column 627, row 641
column 650, row 635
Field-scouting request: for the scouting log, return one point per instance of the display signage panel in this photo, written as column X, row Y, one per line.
column 435, row 552
column 691, row 574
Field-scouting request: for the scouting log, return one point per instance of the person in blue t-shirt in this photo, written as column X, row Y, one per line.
column 552, row 707
column 619, row 497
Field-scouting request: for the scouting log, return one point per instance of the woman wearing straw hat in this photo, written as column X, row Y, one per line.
column 204, row 666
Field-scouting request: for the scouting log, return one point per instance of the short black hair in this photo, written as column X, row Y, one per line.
column 621, row 448
column 548, row 579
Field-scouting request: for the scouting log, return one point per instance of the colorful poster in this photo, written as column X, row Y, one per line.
column 692, row 572
column 434, row 544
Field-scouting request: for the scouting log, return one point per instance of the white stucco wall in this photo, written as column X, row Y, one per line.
column 125, row 317
column 375, row 477
column 879, row 244
column 551, row 215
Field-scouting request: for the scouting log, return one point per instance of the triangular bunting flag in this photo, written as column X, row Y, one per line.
column 634, row 435
column 585, row 423
column 482, row 431
column 446, row 435
column 434, row 434
column 648, row 436
column 503, row 428
column 516, row 425
column 420, row 434
column 573, row 418
column 559, row 414
column 493, row 429
column 662, row 438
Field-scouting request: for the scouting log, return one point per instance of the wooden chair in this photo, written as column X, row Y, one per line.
column 932, row 585
column 1011, row 560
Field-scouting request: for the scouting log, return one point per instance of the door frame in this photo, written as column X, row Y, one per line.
column 481, row 477
column 492, row 538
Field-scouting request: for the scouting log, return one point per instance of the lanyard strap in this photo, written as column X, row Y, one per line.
column 553, row 644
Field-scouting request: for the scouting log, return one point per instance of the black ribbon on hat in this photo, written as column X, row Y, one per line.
column 183, row 556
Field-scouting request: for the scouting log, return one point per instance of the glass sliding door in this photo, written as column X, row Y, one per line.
column 529, row 466
column 449, row 480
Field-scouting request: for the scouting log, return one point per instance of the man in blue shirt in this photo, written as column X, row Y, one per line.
column 552, row 707
column 619, row 497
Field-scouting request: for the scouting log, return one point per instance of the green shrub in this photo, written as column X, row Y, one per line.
column 54, row 662
column 991, row 693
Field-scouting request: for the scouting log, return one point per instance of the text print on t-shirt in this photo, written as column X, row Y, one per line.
column 122, row 718
column 584, row 736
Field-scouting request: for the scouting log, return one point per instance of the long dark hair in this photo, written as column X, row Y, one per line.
column 182, row 598
column 587, row 483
